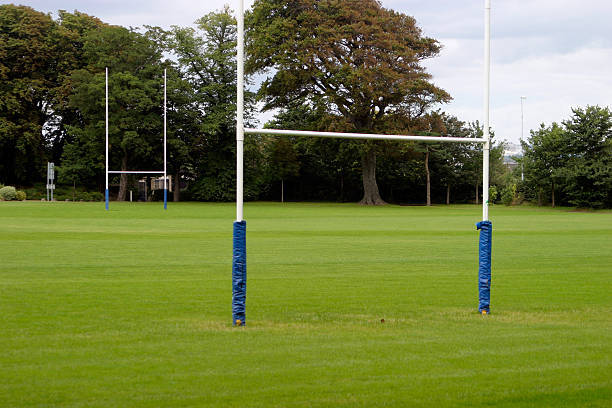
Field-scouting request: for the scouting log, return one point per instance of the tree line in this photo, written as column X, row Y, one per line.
column 570, row 163
column 338, row 66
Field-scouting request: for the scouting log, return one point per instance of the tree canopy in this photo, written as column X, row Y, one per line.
column 358, row 60
column 340, row 65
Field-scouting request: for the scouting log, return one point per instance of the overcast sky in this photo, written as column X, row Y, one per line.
column 557, row 53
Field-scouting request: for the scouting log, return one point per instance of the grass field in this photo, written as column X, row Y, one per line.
column 132, row 307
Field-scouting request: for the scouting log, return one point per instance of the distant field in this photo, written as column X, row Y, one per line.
column 132, row 307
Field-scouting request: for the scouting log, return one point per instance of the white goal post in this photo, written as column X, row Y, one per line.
column 163, row 172
column 239, row 254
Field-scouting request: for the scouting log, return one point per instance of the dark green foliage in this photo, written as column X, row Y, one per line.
column 27, row 75
column 206, row 57
column 344, row 78
column 588, row 170
column 36, row 57
column 572, row 163
column 357, row 60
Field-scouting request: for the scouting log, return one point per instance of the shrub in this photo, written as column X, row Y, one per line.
column 493, row 194
column 96, row 196
column 8, row 193
column 508, row 194
column 21, row 195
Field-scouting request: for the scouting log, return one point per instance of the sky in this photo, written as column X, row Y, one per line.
column 555, row 53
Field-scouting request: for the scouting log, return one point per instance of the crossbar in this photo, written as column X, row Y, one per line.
column 135, row 172
column 280, row 132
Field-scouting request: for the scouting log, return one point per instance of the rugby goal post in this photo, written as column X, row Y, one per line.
column 163, row 172
column 239, row 261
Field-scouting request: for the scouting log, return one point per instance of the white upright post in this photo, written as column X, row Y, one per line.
column 106, row 143
column 240, row 116
column 165, row 177
column 487, row 136
column 239, row 260
column 522, row 151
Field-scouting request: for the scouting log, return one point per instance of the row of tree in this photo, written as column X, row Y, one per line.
column 326, row 65
column 571, row 163
column 345, row 66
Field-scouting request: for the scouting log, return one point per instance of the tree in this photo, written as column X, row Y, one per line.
column 588, row 171
column 356, row 58
column 284, row 163
column 544, row 158
column 37, row 55
column 206, row 61
column 135, row 103
column 27, row 55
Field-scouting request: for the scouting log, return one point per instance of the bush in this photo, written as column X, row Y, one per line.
column 493, row 194
column 8, row 193
column 96, row 196
column 508, row 194
column 21, row 195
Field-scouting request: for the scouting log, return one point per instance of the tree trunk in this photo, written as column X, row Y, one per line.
column 371, row 195
column 428, row 177
column 123, row 180
column 177, row 187
column 341, row 187
column 539, row 197
column 448, row 194
column 282, row 191
column 476, row 193
column 553, row 194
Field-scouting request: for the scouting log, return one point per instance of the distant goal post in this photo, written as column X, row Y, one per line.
column 162, row 172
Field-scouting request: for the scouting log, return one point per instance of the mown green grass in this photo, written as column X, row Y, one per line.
column 132, row 307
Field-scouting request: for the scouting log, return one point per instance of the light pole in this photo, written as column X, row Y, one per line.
column 522, row 150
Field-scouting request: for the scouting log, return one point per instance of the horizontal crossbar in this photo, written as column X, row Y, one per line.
column 363, row 136
column 135, row 172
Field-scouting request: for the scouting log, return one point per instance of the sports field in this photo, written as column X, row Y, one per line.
column 132, row 307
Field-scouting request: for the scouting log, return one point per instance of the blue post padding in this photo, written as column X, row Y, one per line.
column 165, row 198
column 239, row 274
column 484, row 265
column 106, row 197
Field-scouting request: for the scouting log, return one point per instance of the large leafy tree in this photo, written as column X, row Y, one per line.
column 72, row 31
column 135, row 103
column 544, row 159
column 588, row 171
column 206, row 61
column 356, row 58
column 27, row 55
column 37, row 55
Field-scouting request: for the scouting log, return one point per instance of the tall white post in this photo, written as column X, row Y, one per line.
column 487, row 136
column 523, row 153
column 240, row 115
column 165, row 177
column 106, row 143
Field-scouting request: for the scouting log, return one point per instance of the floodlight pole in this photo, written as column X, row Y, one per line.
column 106, row 143
column 165, row 177
column 522, row 150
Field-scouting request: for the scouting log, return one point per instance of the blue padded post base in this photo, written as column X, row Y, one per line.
column 106, row 198
column 239, row 275
column 165, row 198
column 484, row 266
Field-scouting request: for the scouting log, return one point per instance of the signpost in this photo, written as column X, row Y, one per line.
column 50, row 179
